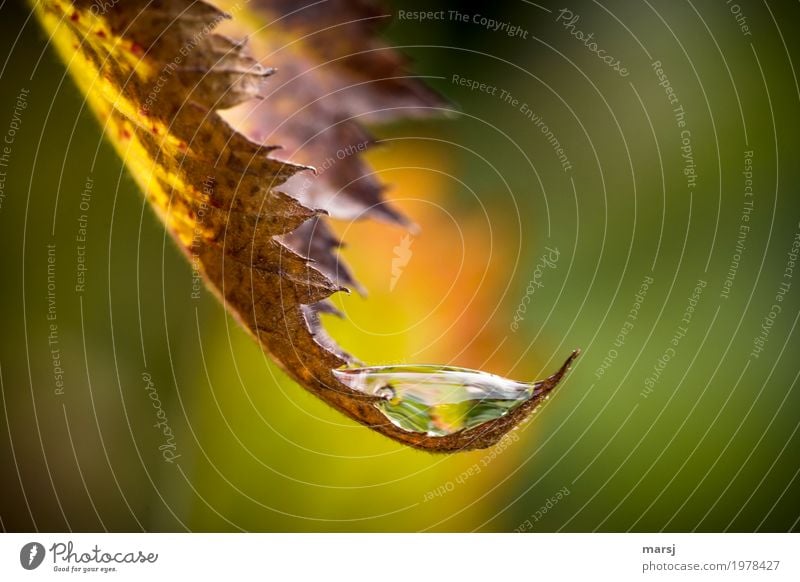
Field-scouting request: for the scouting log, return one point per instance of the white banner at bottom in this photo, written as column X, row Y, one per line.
column 388, row 557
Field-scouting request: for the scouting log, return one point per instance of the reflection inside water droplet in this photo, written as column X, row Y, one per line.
column 385, row 392
column 438, row 400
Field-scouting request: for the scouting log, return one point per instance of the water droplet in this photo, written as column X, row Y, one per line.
column 438, row 400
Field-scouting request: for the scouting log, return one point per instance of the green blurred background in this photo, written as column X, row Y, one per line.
column 712, row 445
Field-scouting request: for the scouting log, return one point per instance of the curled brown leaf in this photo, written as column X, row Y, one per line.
column 190, row 113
